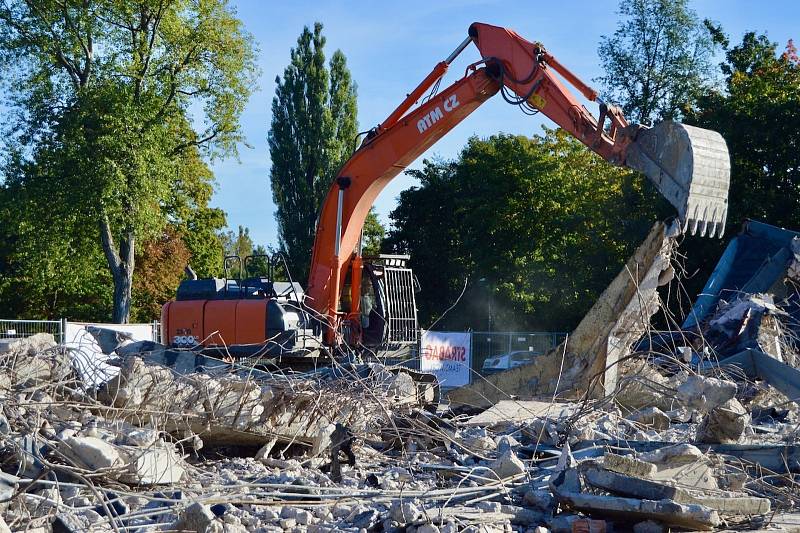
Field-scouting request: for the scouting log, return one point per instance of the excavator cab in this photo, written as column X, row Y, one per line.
column 386, row 314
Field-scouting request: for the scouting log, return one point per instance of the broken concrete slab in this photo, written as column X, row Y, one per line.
column 691, row 516
column 506, row 411
column 158, row 464
column 91, row 452
column 735, row 505
column 632, row 486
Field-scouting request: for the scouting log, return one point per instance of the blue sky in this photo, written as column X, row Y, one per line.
column 390, row 46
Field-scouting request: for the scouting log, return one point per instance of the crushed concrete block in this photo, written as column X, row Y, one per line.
column 404, row 512
column 705, row 393
column 507, row 465
column 506, row 411
column 682, row 464
column 197, row 517
column 652, row 417
column 156, row 465
column 640, row 387
column 675, row 454
column 724, row 424
column 628, row 465
column 92, row 452
column 480, row 443
column 541, row 499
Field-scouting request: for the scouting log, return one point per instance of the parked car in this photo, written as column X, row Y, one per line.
column 508, row 360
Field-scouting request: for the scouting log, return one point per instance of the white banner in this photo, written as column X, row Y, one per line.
column 448, row 355
column 87, row 355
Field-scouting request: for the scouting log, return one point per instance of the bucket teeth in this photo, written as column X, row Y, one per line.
column 690, row 167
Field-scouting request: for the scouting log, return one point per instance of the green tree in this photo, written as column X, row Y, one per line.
column 102, row 91
column 238, row 244
column 543, row 221
column 757, row 112
column 373, row 234
column 657, row 61
column 311, row 135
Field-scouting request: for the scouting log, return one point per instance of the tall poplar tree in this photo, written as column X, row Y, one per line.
column 312, row 134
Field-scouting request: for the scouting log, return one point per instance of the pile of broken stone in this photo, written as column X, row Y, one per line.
column 231, row 449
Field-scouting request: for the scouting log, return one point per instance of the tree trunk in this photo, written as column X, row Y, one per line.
column 120, row 263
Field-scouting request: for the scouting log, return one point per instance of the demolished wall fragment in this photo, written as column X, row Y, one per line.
column 587, row 360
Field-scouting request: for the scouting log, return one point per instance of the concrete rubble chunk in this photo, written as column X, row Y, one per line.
column 507, row 465
column 725, row 424
column 197, row 518
column 650, row 416
column 157, row 464
column 735, row 505
column 404, row 512
column 92, row 452
column 632, row 486
column 625, row 464
column 705, row 393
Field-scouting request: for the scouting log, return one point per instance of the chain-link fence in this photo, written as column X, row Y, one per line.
column 17, row 329
column 486, row 344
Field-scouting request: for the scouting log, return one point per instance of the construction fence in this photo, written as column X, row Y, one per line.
column 64, row 331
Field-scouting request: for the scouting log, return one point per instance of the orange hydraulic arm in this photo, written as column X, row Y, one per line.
column 522, row 69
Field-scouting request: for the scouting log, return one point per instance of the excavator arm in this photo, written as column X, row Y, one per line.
column 689, row 166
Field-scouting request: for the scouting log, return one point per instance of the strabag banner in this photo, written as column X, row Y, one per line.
column 447, row 355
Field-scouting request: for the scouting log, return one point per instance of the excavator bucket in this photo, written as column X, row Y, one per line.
column 690, row 167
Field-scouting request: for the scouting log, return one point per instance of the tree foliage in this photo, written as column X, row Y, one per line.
column 238, row 244
column 101, row 92
column 373, row 234
column 757, row 112
column 311, row 135
column 658, row 60
column 544, row 222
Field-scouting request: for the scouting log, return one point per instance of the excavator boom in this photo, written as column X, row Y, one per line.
column 689, row 166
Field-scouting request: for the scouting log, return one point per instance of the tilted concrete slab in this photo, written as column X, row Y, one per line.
column 587, row 359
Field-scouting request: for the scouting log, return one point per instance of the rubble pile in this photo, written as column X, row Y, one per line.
column 690, row 429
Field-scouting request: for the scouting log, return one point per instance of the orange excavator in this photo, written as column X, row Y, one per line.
column 353, row 301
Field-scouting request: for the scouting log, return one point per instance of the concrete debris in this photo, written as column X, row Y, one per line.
column 620, row 428
column 724, row 424
column 652, row 417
